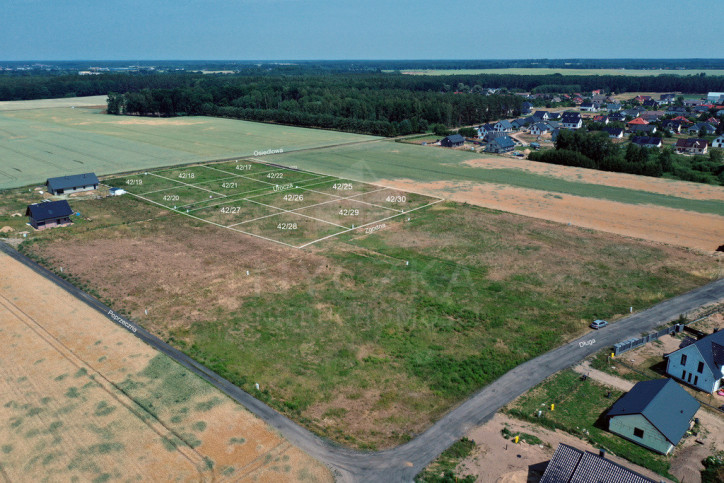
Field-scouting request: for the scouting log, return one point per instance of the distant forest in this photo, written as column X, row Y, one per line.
column 346, row 96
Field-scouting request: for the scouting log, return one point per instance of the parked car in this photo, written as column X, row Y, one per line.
column 598, row 324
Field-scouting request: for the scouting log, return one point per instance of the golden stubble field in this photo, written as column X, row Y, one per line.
column 83, row 399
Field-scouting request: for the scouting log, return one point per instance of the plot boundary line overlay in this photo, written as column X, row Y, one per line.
column 241, row 197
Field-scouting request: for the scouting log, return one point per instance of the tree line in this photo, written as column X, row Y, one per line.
column 373, row 104
column 595, row 150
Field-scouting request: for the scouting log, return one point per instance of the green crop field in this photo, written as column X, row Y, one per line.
column 374, row 162
column 39, row 143
column 549, row 71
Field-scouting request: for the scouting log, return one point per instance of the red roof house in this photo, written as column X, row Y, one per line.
column 638, row 121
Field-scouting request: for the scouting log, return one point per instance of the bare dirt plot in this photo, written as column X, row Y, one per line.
column 82, row 398
column 682, row 189
column 499, row 460
column 660, row 224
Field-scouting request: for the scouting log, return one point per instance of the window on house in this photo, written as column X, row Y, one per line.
column 696, row 380
column 683, row 375
column 700, row 369
column 683, row 359
column 689, row 379
column 639, row 433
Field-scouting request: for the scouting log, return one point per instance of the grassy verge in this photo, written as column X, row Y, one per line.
column 580, row 407
column 442, row 470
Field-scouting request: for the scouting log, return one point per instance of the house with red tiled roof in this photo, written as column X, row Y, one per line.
column 681, row 119
column 638, row 121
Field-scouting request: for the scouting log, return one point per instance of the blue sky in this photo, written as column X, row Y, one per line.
column 346, row 29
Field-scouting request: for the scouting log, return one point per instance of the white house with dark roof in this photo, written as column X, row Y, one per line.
column 571, row 120
column 653, row 414
column 700, row 364
column 503, row 126
column 72, row 184
column 718, row 142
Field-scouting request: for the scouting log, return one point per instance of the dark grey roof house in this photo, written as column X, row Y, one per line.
column 72, row 184
column 614, row 132
column 654, row 414
column 48, row 215
column 452, row 141
column 571, row 465
column 541, row 115
column 647, row 142
column 499, row 145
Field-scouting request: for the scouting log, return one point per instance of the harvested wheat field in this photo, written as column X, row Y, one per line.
column 648, row 222
column 83, row 399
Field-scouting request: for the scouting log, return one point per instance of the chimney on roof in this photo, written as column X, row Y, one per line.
column 602, row 453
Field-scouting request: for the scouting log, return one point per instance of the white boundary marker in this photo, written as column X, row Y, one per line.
column 282, row 210
column 368, row 224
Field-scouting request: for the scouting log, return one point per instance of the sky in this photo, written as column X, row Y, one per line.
column 346, row 29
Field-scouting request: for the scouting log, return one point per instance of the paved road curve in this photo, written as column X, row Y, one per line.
column 401, row 464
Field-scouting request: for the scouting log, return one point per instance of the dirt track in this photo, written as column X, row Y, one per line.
column 655, row 223
column 77, row 400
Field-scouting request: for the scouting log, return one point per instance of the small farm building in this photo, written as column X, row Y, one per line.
column 654, row 414
column 72, row 184
column 452, row 141
column 48, row 215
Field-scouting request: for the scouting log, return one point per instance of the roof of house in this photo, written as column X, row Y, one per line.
column 703, row 125
column 505, row 124
column 487, row 127
column 692, row 143
column 711, row 347
column 665, row 404
column 504, row 142
column 539, row 114
column 49, row 211
column 613, row 130
column 541, row 126
column 570, row 465
column 571, row 117
column 73, row 181
column 639, row 120
column 617, row 116
column 646, row 141
column 455, row 138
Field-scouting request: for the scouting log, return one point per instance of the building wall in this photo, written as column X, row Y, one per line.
column 78, row 188
column 706, row 381
column 49, row 223
column 624, row 426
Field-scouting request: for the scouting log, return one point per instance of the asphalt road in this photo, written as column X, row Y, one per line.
column 402, row 463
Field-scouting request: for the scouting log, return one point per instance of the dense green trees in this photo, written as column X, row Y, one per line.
column 595, row 150
column 374, row 104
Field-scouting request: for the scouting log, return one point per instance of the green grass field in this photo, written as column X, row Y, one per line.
column 374, row 162
column 39, row 143
column 548, row 71
column 367, row 337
